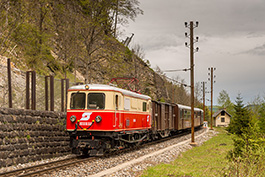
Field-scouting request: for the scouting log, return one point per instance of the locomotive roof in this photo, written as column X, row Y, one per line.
column 109, row 88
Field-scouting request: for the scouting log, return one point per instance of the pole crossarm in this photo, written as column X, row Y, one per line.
column 178, row 82
column 175, row 70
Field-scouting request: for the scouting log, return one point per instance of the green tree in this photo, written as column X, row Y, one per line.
column 65, row 20
column 124, row 10
column 12, row 17
column 54, row 33
column 261, row 121
column 224, row 101
column 247, row 156
column 241, row 119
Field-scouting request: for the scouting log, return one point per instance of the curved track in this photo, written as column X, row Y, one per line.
column 46, row 167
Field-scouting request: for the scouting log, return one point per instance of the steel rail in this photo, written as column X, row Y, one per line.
column 41, row 168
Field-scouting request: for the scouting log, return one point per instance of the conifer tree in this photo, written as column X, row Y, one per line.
column 242, row 118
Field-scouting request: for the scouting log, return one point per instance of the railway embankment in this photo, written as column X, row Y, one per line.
column 27, row 136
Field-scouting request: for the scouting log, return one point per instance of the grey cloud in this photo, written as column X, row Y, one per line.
column 256, row 51
column 155, row 42
column 226, row 29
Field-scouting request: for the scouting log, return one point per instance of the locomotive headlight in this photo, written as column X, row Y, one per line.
column 98, row 119
column 72, row 118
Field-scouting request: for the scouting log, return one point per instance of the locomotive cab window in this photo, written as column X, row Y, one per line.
column 116, row 102
column 78, row 101
column 96, row 101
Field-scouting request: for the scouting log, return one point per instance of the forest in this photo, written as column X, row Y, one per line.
column 50, row 35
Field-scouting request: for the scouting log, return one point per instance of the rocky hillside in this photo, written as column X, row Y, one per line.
column 74, row 39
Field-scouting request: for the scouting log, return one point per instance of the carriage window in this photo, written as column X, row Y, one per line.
column 96, row 101
column 180, row 113
column 144, row 106
column 78, row 101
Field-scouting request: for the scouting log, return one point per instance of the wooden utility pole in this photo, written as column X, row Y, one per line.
column 192, row 81
column 212, row 81
column 191, row 26
column 211, row 98
column 9, row 83
column 203, row 98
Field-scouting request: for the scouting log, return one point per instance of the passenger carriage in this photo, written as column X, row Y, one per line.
column 168, row 119
column 184, row 117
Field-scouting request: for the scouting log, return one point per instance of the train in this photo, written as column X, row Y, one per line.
column 104, row 118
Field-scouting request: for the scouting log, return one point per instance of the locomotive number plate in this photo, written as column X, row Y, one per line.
column 86, row 123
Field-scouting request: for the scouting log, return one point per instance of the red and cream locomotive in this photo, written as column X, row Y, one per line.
column 103, row 118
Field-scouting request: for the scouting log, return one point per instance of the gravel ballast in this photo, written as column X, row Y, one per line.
column 130, row 163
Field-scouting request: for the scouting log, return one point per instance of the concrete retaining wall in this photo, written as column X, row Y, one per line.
column 27, row 135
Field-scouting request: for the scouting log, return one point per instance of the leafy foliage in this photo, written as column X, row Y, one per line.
column 224, row 101
column 261, row 121
column 248, row 154
column 55, row 33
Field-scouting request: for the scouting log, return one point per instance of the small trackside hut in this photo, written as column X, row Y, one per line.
column 102, row 118
column 222, row 118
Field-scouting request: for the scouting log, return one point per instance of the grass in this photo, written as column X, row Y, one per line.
column 206, row 160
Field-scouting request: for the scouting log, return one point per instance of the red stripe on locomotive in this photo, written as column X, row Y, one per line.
column 124, row 120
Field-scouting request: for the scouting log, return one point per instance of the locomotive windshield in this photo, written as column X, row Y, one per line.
column 78, row 101
column 95, row 101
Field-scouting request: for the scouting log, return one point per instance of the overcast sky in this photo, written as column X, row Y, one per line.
column 231, row 38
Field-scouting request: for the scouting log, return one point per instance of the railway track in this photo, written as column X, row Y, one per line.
column 46, row 167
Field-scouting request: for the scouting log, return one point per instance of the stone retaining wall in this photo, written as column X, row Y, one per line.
column 27, row 135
